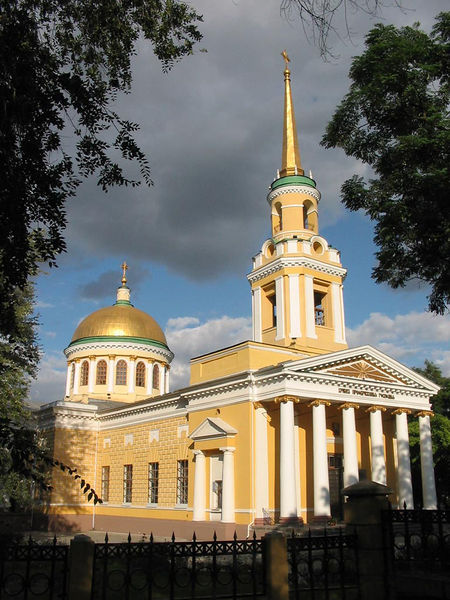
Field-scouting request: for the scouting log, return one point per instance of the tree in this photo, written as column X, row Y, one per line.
column 395, row 119
column 318, row 17
column 440, row 433
column 62, row 65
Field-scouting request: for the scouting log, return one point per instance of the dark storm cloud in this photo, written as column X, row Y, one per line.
column 212, row 131
column 101, row 286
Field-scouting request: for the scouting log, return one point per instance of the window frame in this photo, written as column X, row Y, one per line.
column 84, row 373
column 123, row 372
column 106, row 472
column 182, row 482
column 140, row 373
column 103, row 365
column 153, row 482
column 127, row 484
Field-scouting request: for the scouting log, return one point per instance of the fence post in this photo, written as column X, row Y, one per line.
column 81, row 565
column 276, row 566
column 363, row 511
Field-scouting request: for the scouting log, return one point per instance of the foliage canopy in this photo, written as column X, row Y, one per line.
column 395, row 119
column 61, row 67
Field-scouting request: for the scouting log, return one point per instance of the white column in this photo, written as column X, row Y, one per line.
column 261, row 463
column 341, row 296
column 199, row 486
column 351, row 471
column 91, row 377
column 294, row 306
column 337, row 313
column 298, row 495
column 76, row 381
column 322, row 506
column 69, row 373
column 279, row 302
column 426, row 462
column 405, row 490
column 149, row 378
column 110, row 374
column 288, row 504
column 131, row 377
column 228, row 485
column 162, row 376
column 377, row 445
column 166, row 387
column 256, row 306
column 309, row 307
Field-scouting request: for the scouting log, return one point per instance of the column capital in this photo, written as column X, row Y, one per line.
column 294, row 399
column 77, row 360
column 258, row 404
column 374, row 408
column 318, row 403
column 227, row 449
column 347, row 405
column 198, row 452
column 111, row 356
column 133, row 357
column 424, row 413
column 399, row 411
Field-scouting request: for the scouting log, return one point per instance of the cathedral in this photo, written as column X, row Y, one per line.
column 269, row 431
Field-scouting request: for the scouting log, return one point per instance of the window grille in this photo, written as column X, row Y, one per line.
column 121, row 373
column 140, row 375
column 101, row 373
column 127, row 483
column 105, row 484
column 153, row 476
column 182, row 482
column 84, row 373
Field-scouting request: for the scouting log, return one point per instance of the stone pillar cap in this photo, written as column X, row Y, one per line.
column 366, row 488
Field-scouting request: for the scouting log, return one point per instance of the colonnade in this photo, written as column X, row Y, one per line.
column 111, row 365
column 322, row 508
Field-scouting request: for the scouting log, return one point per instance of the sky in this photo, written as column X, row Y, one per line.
column 212, row 131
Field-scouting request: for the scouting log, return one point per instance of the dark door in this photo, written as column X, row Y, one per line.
column 335, row 474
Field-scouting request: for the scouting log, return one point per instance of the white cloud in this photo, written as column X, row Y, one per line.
column 41, row 304
column 188, row 337
column 410, row 338
column 51, row 379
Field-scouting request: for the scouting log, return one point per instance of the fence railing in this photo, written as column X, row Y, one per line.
column 326, row 565
column 33, row 571
column 418, row 539
column 179, row 570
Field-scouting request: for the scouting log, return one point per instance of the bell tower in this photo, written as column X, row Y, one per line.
column 297, row 278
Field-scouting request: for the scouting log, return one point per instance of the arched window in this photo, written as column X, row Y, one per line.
column 140, row 375
column 84, row 379
column 101, row 373
column 121, row 373
column 72, row 376
column 155, row 377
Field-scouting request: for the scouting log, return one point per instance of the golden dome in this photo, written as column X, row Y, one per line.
column 120, row 320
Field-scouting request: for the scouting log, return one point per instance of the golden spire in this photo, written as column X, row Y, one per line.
column 124, row 268
column 290, row 159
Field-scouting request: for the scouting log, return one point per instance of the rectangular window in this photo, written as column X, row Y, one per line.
column 319, row 308
column 105, row 484
column 182, row 482
column 127, row 483
column 153, row 475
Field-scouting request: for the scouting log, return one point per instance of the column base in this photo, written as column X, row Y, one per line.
column 320, row 519
column 290, row 521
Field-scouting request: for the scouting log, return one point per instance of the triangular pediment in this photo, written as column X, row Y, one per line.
column 211, row 428
column 365, row 364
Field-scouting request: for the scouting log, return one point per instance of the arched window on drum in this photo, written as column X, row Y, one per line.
column 84, row 377
column 121, row 373
column 140, row 374
column 101, row 373
column 72, row 376
column 156, row 377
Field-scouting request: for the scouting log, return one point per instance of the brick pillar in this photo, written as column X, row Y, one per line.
column 81, row 559
column 362, row 511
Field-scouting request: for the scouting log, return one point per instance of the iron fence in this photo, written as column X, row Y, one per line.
column 179, row 570
column 323, row 566
column 33, row 570
column 418, row 539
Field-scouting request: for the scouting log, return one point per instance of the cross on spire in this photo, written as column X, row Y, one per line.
column 124, row 268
